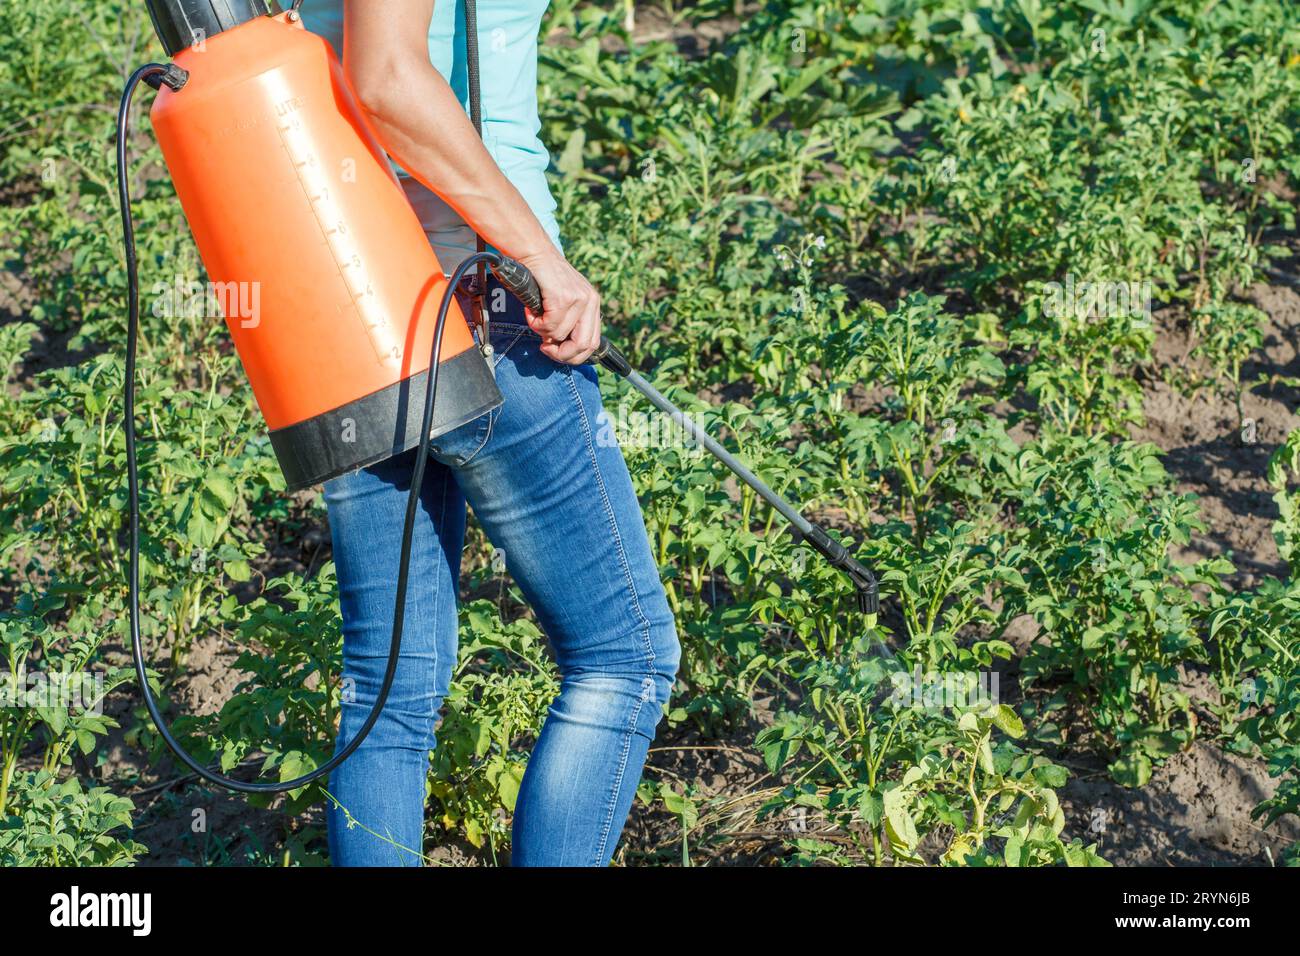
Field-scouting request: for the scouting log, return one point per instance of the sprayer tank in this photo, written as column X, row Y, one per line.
column 329, row 284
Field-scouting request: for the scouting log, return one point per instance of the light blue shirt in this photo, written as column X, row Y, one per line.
column 507, row 46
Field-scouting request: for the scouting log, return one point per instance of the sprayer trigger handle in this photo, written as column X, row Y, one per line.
column 516, row 277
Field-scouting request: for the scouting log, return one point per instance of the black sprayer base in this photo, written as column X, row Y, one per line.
column 385, row 423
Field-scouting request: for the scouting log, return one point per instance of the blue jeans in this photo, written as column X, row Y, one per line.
column 554, row 495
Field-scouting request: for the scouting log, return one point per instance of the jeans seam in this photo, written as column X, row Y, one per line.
column 491, row 416
column 501, row 325
column 437, row 607
column 608, row 823
column 613, row 523
column 491, row 424
column 430, row 738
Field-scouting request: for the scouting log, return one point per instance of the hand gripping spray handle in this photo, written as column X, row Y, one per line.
column 516, row 277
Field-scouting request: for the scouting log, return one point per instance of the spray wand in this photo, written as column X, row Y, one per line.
column 866, row 592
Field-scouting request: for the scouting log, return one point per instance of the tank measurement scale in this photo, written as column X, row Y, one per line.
column 347, row 255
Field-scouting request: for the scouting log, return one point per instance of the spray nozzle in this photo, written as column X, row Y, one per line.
column 867, row 591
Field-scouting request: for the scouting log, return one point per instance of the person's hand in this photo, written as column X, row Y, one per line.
column 570, row 327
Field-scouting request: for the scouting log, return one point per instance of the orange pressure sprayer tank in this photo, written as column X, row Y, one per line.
column 329, row 285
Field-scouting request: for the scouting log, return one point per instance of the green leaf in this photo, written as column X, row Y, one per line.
column 1132, row 770
column 1008, row 721
column 570, row 162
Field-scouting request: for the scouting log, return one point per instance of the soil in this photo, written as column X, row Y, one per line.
column 692, row 38
column 727, row 768
column 1194, row 811
column 1211, row 456
column 1196, row 808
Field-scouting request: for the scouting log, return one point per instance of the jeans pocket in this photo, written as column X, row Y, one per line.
column 459, row 446
column 506, row 336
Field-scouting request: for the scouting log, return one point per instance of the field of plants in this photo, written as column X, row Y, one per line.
column 1005, row 292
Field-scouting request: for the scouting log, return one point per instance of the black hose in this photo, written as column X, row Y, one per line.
column 149, row 73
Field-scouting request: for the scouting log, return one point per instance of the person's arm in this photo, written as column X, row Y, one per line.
column 421, row 124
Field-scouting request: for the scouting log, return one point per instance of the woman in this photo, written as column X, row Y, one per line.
column 556, row 501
